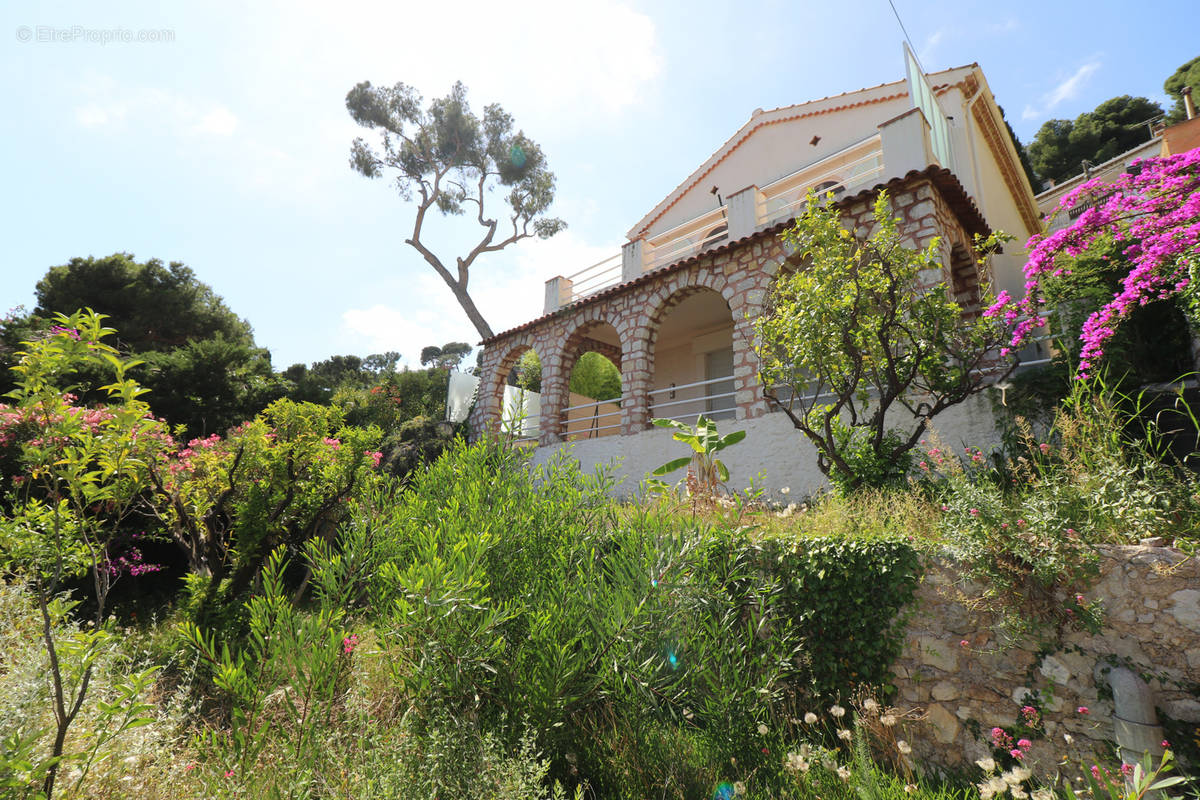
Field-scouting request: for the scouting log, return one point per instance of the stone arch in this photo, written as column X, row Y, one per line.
column 593, row 330
column 493, row 380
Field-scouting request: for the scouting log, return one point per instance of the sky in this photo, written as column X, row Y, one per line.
column 216, row 133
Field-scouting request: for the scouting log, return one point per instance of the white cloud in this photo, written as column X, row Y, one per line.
column 108, row 105
column 567, row 60
column 1067, row 89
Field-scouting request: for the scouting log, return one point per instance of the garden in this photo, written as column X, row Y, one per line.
column 269, row 613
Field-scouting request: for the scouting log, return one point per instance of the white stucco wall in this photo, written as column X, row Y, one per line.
column 772, row 447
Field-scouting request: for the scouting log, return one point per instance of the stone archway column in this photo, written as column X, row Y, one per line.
column 485, row 415
column 555, row 397
column 637, row 366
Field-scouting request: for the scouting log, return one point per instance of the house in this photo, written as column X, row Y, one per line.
column 673, row 310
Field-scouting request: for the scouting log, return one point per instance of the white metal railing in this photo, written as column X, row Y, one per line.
column 697, row 234
column 600, row 275
column 780, row 198
column 523, row 430
column 594, row 422
column 718, row 399
column 787, row 202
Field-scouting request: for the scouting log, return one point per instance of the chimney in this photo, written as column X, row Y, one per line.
column 1188, row 105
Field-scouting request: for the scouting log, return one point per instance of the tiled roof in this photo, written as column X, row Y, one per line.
column 952, row 191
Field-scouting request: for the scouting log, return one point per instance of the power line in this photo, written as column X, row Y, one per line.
column 904, row 30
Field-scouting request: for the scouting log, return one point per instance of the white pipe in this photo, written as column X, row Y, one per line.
column 1135, row 725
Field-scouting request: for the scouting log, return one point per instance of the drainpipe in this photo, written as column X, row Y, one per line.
column 1188, row 106
column 1135, row 725
column 969, row 120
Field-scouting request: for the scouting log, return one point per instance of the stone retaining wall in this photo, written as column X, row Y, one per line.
column 959, row 669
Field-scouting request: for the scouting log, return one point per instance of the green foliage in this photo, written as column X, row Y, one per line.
column 278, row 480
column 1116, row 125
column 529, row 371
column 1026, row 528
column 592, row 376
column 706, row 472
column 448, row 356
column 83, row 471
column 596, row 377
column 861, row 350
column 851, row 638
column 199, row 360
column 154, row 307
column 1188, row 74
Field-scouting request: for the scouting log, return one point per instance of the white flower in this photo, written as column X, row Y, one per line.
column 888, row 720
column 903, row 746
column 1043, row 794
column 762, row 729
column 1068, row 738
column 844, row 734
column 796, row 762
column 810, row 718
column 997, row 786
column 1016, row 776
column 910, row 788
column 988, row 765
column 785, row 490
column 1018, row 793
column 844, row 774
column 739, row 789
column 837, row 711
column 870, row 705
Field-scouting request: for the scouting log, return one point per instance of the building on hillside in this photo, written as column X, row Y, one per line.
column 673, row 310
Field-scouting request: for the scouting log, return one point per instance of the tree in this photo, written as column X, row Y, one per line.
column 1116, row 125
column 83, row 472
column 448, row 356
column 198, row 358
column 861, row 352
column 152, row 307
column 451, row 159
column 1187, row 75
column 1152, row 214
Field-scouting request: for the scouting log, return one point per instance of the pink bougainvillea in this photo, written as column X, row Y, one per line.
column 1152, row 213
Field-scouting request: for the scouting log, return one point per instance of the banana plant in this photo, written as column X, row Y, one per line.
column 706, row 472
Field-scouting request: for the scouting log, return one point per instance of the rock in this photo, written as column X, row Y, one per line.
column 1055, row 670
column 1020, row 695
column 937, row 653
column 1193, row 658
column 1186, row 608
column 944, row 690
column 944, row 723
column 1187, row 710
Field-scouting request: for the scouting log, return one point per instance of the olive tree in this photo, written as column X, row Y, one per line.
column 449, row 159
column 860, row 349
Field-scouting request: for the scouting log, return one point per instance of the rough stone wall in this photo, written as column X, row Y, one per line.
column 959, row 669
column 741, row 274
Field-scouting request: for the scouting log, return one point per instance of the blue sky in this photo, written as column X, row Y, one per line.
column 225, row 143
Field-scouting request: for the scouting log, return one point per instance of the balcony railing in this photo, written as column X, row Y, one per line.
column 593, row 420
column 785, row 197
column 715, row 398
column 596, row 278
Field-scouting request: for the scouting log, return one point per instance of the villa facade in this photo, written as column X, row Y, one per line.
column 673, row 311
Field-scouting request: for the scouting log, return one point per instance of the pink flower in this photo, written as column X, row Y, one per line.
column 349, row 643
column 1126, row 769
column 228, row 773
column 1082, row 710
column 1024, row 744
column 964, row 643
column 1165, row 743
column 974, row 512
column 334, row 443
column 189, row 767
column 1017, row 754
column 1095, row 772
column 1021, row 523
column 1045, row 448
